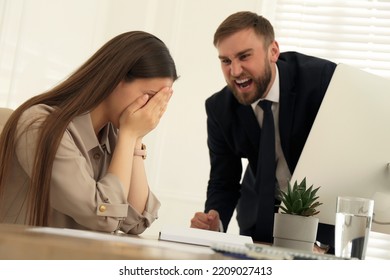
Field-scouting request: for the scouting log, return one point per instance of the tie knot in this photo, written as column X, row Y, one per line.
column 265, row 105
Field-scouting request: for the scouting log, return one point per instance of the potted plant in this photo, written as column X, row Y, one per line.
column 295, row 225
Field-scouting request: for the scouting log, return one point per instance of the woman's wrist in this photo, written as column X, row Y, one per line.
column 141, row 151
column 138, row 143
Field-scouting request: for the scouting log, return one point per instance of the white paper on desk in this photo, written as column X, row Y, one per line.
column 201, row 237
column 150, row 241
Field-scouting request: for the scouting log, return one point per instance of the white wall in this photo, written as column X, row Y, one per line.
column 43, row 41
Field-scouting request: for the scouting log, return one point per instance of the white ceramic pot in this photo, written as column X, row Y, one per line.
column 296, row 232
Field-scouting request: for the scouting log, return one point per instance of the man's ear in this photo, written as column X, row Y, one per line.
column 274, row 51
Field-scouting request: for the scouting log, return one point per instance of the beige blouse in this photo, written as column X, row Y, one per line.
column 83, row 195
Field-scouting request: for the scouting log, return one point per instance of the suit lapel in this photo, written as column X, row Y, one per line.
column 286, row 108
column 249, row 123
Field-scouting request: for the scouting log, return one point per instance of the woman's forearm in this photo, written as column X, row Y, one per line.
column 122, row 160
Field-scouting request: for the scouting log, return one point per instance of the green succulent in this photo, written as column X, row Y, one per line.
column 300, row 201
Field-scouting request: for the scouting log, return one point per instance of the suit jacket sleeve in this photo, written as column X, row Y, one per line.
column 224, row 184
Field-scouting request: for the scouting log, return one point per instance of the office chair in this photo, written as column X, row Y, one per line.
column 4, row 115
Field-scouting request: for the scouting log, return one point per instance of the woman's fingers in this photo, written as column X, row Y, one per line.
column 145, row 112
column 139, row 103
column 158, row 104
column 160, row 100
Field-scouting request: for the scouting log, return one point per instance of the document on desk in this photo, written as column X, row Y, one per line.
column 201, row 237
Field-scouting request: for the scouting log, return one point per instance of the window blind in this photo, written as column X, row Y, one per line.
column 352, row 32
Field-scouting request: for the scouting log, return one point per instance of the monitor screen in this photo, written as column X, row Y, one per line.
column 348, row 148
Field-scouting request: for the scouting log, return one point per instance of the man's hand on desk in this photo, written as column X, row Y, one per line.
column 209, row 221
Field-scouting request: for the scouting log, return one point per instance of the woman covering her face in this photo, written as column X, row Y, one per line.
column 73, row 156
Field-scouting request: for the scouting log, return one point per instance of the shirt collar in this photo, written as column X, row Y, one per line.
column 83, row 124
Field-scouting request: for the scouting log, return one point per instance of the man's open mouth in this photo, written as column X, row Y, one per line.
column 243, row 83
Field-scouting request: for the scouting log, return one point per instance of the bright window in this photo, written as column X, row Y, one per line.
column 352, row 32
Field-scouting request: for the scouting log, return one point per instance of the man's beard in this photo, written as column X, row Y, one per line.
column 261, row 86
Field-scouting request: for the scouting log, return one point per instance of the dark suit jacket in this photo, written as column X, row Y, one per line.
column 234, row 133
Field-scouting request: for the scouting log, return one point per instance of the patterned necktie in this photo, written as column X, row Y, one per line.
column 266, row 176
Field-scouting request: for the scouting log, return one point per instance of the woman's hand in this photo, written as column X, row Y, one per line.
column 144, row 114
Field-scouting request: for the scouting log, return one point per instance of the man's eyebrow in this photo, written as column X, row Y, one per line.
column 237, row 54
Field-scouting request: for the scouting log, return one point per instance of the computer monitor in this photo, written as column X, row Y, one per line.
column 348, row 148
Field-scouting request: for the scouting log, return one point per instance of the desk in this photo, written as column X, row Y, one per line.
column 18, row 242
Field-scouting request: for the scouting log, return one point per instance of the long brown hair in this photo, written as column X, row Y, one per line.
column 128, row 56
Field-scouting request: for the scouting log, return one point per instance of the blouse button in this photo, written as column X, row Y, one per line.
column 96, row 156
column 102, row 208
